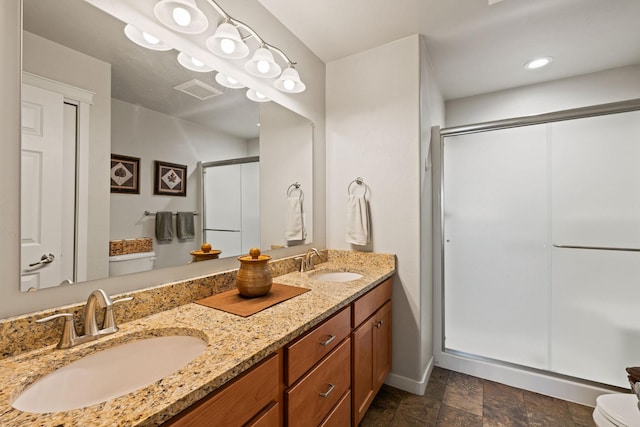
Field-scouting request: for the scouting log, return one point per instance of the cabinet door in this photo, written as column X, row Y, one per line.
column 362, row 373
column 371, row 359
column 382, row 345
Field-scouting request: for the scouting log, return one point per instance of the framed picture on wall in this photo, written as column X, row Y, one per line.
column 169, row 179
column 125, row 176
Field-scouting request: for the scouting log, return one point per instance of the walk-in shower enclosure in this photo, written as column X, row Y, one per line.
column 538, row 251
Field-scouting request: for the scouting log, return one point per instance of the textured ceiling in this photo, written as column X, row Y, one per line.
column 476, row 47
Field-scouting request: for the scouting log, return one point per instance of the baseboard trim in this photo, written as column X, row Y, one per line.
column 410, row 385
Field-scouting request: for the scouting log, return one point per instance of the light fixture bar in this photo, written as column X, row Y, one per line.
column 252, row 33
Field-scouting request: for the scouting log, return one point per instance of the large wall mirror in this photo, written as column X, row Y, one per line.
column 113, row 134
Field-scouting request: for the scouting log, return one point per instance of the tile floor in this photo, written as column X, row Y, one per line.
column 453, row 399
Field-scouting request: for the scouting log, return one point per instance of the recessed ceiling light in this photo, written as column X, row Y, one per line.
column 538, row 63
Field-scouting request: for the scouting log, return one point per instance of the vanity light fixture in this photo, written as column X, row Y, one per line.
column 228, row 81
column 227, row 43
column 144, row 39
column 256, row 96
column 538, row 63
column 289, row 81
column 193, row 64
column 183, row 16
column 262, row 64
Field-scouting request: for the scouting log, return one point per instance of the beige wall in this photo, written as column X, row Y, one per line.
column 286, row 147
column 150, row 135
column 375, row 107
column 618, row 84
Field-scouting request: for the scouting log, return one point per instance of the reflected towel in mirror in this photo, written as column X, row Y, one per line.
column 294, row 227
column 164, row 226
column 184, row 225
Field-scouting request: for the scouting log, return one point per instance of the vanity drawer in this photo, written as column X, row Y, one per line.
column 238, row 401
column 269, row 417
column 308, row 350
column 313, row 397
column 340, row 416
column 367, row 304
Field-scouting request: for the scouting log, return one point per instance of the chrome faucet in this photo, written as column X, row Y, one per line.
column 306, row 261
column 70, row 338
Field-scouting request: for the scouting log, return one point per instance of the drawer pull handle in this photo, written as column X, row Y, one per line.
column 380, row 322
column 327, row 342
column 328, row 392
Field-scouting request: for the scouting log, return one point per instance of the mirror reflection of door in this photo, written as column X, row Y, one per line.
column 48, row 189
column 231, row 197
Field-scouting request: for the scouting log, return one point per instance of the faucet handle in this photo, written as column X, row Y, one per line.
column 68, row 330
column 109, row 323
column 302, row 263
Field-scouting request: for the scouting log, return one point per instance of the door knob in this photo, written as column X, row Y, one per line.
column 44, row 259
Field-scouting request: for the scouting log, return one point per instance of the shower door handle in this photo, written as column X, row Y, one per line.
column 596, row 248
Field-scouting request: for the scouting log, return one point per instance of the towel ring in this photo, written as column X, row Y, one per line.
column 358, row 181
column 293, row 187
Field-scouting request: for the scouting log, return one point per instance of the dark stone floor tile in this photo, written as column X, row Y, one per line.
column 545, row 411
column 439, row 375
column 498, row 413
column 582, row 415
column 403, row 419
column 503, row 393
column 377, row 417
column 420, row 407
column 464, row 392
column 388, row 398
column 452, row 417
column 435, row 390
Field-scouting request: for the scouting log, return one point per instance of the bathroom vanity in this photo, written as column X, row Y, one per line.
column 316, row 359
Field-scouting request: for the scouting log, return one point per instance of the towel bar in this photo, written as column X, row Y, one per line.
column 147, row 213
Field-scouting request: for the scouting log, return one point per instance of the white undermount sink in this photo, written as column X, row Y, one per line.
column 109, row 373
column 335, row 276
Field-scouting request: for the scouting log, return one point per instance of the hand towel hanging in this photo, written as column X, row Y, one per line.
column 357, row 220
column 164, row 226
column 185, row 225
column 294, row 227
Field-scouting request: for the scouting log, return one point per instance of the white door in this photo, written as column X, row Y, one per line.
column 44, row 225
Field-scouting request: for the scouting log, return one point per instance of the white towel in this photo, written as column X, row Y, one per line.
column 357, row 220
column 294, row 227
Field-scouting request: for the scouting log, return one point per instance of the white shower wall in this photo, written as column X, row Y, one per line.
column 512, row 198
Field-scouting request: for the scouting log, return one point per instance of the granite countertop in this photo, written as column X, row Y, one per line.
column 234, row 344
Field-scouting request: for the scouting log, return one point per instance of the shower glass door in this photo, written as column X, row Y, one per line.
column 496, row 231
column 541, row 243
column 231, row 198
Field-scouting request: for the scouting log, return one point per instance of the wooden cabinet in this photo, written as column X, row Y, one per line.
column 313, row 398
column 328, row 377
column 371, row 347
column 307, row 350
column 251, row 399
column 318, row 373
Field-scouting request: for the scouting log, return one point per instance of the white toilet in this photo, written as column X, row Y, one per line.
column 131, row 263
column 617, row 410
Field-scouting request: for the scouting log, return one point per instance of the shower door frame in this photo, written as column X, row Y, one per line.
column 537, row 380
column 203, row 166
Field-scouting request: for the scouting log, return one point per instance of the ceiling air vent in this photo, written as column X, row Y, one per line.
column 198, row 89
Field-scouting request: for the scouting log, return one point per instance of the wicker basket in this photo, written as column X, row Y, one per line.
column 130, row 246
